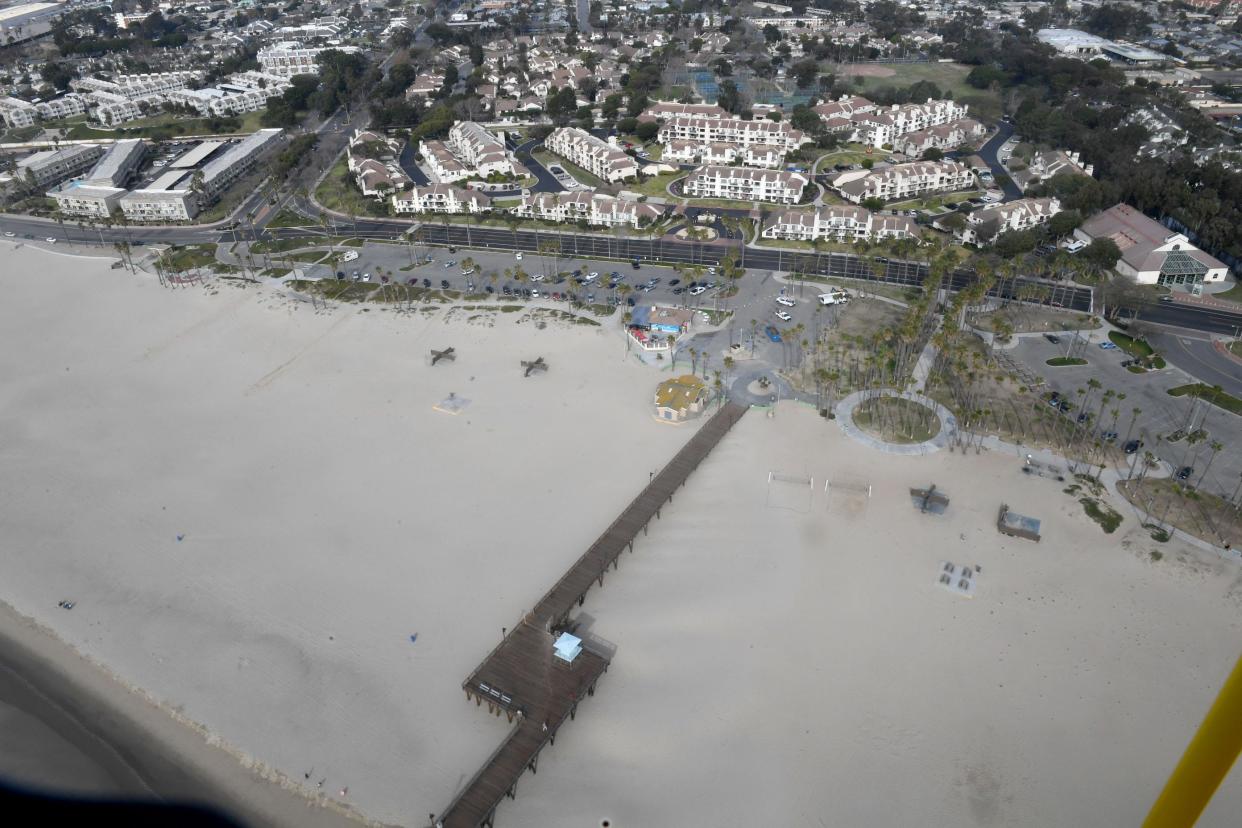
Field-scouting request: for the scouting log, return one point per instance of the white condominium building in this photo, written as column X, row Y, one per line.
column 238, row 160
column 110, row 109
column 663, row 110
column 836, row 114
column 599, row 210
column 99, row 193
column 168, row 198
column 904, row 181
column 479, row 149
column 734, row 131
column 137, row 86
column 946, row 136
column 884, row 126
column 722, row 153
column 292, row 58
column 441, row 198
column 17, row 113
column 838, row 222
column 446, row 167
column 593, row 155
column 985, row 224
column 43, row 169
column 745, row 184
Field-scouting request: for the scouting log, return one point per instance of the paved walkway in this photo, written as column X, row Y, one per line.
column 845, row 418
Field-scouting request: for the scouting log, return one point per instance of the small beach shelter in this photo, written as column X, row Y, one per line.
column 567, row 647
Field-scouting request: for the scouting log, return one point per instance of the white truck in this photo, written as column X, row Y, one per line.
column 834, row 296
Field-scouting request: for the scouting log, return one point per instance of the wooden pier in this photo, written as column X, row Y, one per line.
column 521, row 677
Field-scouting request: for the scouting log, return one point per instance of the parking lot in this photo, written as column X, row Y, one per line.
column 1160, row 415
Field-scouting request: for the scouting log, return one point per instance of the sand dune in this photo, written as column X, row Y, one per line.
column 775, row 666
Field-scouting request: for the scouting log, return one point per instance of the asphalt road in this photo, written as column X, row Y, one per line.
column 1197, row 356
column 988, row 153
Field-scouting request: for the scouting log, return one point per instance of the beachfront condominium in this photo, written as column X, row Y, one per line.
column 743, row 184
column 99, row 192
column 178, row 195
column 595, row 156
column 963, row 131
column 902, row 181
column 440, row 198
column 743, row 133
column 664, row 110
column 292, row 58
column 985, row 224
column 588, row 208
column 838, row 222
column 49, row 167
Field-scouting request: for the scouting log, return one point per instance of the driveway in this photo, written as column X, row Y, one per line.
column 1197, row 357
column 988, row 153
column 546, row 181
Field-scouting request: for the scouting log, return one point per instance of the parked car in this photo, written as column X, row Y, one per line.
column 537, row 277
column 1185, row 472
column 426, row 283
column 674, row 282
column 444, row 283
column 1053, row 338
column 1133, row 446
column 1108, row 436
column 782, row 315
column 786, row 301
column 697, row 289
column 1108, row 346
column 518, row 255
column 773, row 333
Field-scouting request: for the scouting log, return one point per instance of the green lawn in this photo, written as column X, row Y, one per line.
column 936, row 201
column 288, row 218
column 179, row 259
column 21, row 134
column 545, row 157
column 164, row 126
column 1058, row 362
column 657, row 186
column 1134, row 347
column 1234, row 294
column 285, row 245
column 1235, row 348
column 1206, row 392
column 950, row 77
column 338, row 192
column 854, row 154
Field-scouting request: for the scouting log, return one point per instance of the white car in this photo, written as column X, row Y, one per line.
column 538, row 277
column 834, row 297
column 51, row 240
column 786, row 301
column 697, row 289
column 10, row 234
column 534, row 294
column 593, row 275
column 783, row 316
column 518, row 255
column 469, row 272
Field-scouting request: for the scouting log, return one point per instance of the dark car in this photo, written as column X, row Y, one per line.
column 1133, row 446
column 490, row 289
column 1053, row 338
column 444, row 283
column 340, row 274
column 452, row 249
column 674, row 282
column 773, row 333
column 677, row 291
column 635, row 264
column 426, row 283
column 629, row 300
column 1185, row 472
column 1108, row 436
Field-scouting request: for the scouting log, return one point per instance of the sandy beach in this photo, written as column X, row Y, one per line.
column 268, row 528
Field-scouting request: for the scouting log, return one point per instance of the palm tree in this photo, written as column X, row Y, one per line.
column 1215, row 446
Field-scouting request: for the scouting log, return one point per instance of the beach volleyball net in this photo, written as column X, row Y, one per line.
column 790, row 491
column 847, row 496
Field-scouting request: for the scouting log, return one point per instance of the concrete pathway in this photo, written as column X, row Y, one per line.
column 845, row 418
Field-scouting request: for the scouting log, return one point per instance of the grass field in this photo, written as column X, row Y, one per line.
column 288, row 218
column 547, row 158
column 1206, row 392
column 950, row 77
column 163, row 126
column 338, row 192
column 1234, row 294
column 656, row 186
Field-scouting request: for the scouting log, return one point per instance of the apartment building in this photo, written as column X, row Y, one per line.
column 836, row 114
column 662, row 111
column 136, row 86
column 734, row 131
column 1046, row 165
column 984, row 225
column 593, row 155
column 479, row 150
column 744, row 184
column 239, row 94
column 17, row 113
column 445, row 167
column 591, row 208
column 884, row 126
column 292, row 58
column 944, row 137
column 111, row 108
column 722, row 153
column 99, row 192
column 167, row 199
column 837, row 222
column 441, row 198
column 904, row 181
column 50, row 167
column 175, row 196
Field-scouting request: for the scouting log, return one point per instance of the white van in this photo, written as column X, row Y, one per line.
column 836, row 296
column 1074, row 245
column 349, row 255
